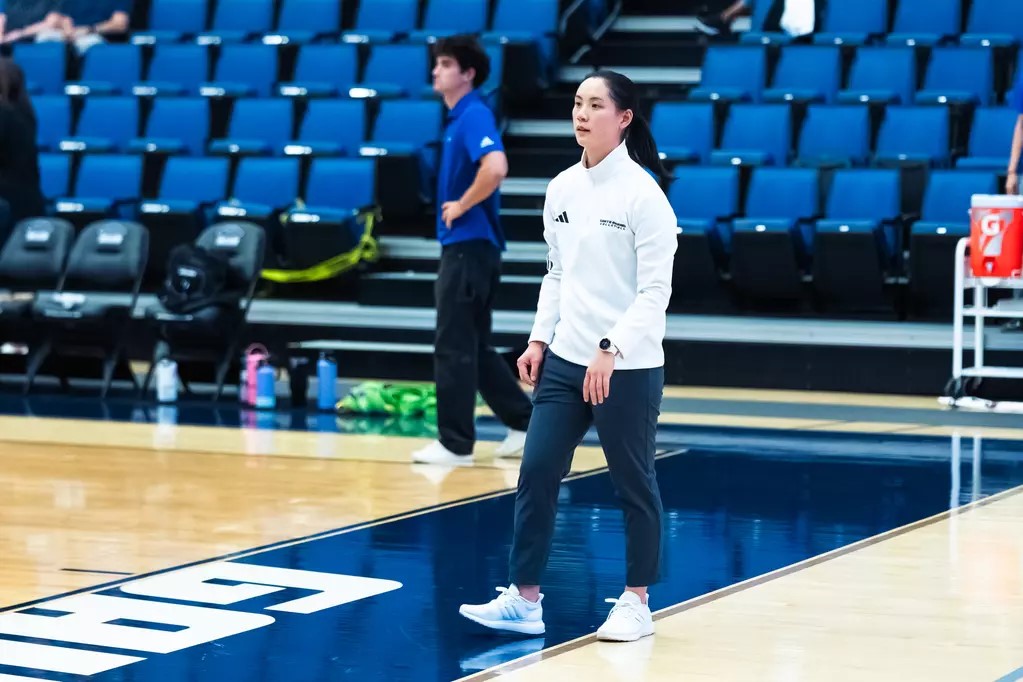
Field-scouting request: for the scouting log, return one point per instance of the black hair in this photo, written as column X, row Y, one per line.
column 469, row 54
column 638, row 138
column 13, row 92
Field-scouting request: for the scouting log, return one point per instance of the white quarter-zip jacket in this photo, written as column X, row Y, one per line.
column 611, row 237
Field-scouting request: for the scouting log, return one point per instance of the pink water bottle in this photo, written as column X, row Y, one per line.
column 255, row 355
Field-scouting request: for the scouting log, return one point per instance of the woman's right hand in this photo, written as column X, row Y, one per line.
column 530, row 361
column 1012, row 184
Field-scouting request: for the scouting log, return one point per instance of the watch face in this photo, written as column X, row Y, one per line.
column 605, row 344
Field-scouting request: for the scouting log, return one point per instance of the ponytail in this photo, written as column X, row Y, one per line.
column 639, row 140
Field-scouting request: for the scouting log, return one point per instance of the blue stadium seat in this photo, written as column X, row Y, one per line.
column 238, row 20
column 755, row 135
column 53, row 120
column 994, row 23
column 328, row 225
column 529, row 25
column 684, row 131
column 176, row 69
column 757, row 35
column 303, row 21
column 806, row 74
column 990, row 139
column 189, row 188
column 106, row 124
column 176, row 125
column 944, row 220
column 925, row 22
column 853, row 23
column 325, row 70
column 54, row 175
column 383, row 20
column 243, row 71
column 732, row 74
column 45, row 66
column 958, row 75
column 914, row 135
column 881, row 74
column 172, row 21
column 394, row 71
column 448, row 17
column 109, row 69
column 331, row 127
column 392, row 132
column 257, row 127
column 834, row 136
column 705, row 201
column 262, row 188
column 105, row 186
column 857, row 245
column 770, row 247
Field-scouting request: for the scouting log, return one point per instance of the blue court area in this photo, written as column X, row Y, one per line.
column 737, row 505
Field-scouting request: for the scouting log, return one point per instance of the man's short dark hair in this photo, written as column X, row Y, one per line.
column 469, row 54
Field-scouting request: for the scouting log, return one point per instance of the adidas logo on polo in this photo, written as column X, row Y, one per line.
column 563, row 218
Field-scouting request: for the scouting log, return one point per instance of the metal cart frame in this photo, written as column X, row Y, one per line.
column 963, row 378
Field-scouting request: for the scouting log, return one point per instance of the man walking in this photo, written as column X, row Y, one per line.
column 473, row 164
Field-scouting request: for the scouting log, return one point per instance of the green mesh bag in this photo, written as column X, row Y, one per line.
column 402, row 400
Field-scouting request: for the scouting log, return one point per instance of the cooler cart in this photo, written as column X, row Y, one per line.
column 994, row 255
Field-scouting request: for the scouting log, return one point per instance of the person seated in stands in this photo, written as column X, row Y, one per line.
column 798, row 18
column 717, row 23
column 27, row 19
column 19, row 156
column 90, row 22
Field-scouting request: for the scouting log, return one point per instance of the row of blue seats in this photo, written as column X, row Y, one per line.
column 181, row 125
column 791, row 201
column 877, row 74
column 306, row 20
column 990, row 23
column 322, row 70
column 110, row 185
column 762, row 134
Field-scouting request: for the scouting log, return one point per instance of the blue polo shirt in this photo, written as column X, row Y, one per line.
column 470, row 133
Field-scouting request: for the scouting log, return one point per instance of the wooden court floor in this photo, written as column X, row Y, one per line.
column 84, row 502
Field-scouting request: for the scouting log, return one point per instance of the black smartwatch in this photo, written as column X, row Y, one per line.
column 605, row 344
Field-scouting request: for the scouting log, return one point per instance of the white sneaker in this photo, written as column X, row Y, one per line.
column 629, row 620
column 435, row 453
column 512, row 445
column 509, row 612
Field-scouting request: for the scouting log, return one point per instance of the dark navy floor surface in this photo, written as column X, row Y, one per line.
column 731, row 513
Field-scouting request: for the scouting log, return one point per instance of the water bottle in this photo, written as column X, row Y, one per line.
column 266, row 394
column 326, row 376
column 166, row 381
column 254, row 355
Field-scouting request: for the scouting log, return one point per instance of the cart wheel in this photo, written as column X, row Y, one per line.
column 955, row 388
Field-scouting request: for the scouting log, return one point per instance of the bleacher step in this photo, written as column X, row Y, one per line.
column 416, row 254
column 517, row 292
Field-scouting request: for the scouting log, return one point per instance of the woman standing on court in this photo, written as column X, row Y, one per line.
column 595, row 353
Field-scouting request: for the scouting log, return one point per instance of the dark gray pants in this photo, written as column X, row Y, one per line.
column 626, row 424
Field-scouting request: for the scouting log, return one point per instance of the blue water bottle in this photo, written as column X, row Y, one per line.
column 326, row 376
column 266, row 394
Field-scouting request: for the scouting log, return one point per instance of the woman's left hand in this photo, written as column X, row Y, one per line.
column 597, row 384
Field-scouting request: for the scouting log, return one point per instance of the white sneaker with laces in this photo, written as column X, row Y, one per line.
column 629, row 620
column 435, row 453
column 512, row 445
column 509, row 612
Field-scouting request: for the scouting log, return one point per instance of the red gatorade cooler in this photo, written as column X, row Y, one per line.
column 996, row 235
